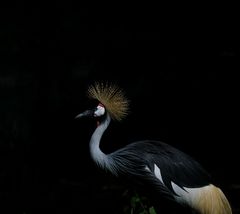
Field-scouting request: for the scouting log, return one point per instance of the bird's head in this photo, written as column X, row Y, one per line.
column 98, row 111
column 110, row 99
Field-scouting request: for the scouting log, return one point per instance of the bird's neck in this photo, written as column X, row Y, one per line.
column 98, row 156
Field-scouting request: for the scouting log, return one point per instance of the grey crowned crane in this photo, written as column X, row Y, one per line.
column 171, row 172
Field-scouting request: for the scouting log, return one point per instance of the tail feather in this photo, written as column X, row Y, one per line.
column 206, row 200
column 212, row 200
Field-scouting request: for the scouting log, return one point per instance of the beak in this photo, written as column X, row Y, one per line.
column 87, row 113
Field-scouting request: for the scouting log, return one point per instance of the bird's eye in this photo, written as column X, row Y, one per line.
column 100, row 110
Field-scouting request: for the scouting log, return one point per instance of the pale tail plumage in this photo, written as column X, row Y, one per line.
column 206, row 200
column 213, row 201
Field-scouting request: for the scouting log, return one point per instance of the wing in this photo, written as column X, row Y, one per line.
column 175, row 166
column 160, row 164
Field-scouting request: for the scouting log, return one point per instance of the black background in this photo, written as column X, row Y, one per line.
column 179, row 67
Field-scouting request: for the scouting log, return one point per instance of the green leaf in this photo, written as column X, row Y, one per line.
column 152, row 210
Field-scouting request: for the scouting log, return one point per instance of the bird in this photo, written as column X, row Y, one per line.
column 171, row 172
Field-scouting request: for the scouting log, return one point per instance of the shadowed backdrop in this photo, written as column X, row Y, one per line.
column 179, row 72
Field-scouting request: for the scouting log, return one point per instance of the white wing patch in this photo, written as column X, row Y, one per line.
column 147, row 168
column 201, row 198
column 157, row 173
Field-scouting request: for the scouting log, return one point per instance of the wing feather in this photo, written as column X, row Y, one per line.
column 138, row 159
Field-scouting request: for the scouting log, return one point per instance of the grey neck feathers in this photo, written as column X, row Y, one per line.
column 98, row 156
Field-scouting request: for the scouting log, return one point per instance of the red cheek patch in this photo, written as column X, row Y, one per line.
column 100, row 104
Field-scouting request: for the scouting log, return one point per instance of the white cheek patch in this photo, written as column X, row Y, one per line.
column 100, row 111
